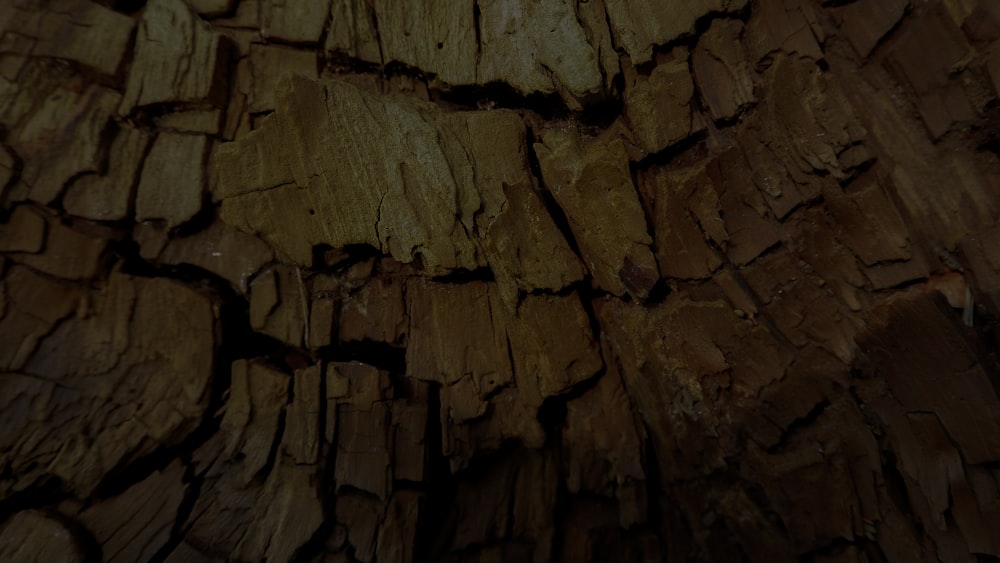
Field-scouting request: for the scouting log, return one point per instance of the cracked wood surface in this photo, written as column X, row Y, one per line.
column 607, row 280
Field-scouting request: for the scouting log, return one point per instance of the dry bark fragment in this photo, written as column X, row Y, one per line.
column 866, row 23
column 825, row 257
column 287, row 514
column 936, row 445
column 257, row 398
column 268, row 66
column 322, row 316
column 352, row 31
column 178, row 59
column 301, row 438
column 943, row 194
column 294, row 22
column 739, row 222
column 34, row 537
column 377, row 313
column 800, row 307
column 682, row 250
column 552, row 345
column 982, row 25
column 237, row 516
column 110, row 196
column 23, row 231
column 77, row 30
column 788, row 27
column 672, row 363
column 480, row 409
column 352, row 177
column 398, row 533
column 263, row 298
column 982, row 514
column 594, row 20
column 722, row 70
column 824, row 447
column 532, row 46
column 360, row 396
column 35, row 304
column 220, row 249
column 70, row 253
column 592, row 183
column 167, row 191
column 365, row 455
column 916, row 344
column 56, row 130
column 110, row 385
column 821, row 132
column 537, row 46
column 278, row 305
column 925, row 56
column 894, row 274
column 640, row 26
column 600, row 425
column 136, row 524
column 868, row 223
column 342, row 163
column 220, row 516
column 246, row 16
column 437, row 37
column 659, row 107
column 520, row 240
column 458, row 338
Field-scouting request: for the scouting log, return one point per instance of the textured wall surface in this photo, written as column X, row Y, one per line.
column 491, row 280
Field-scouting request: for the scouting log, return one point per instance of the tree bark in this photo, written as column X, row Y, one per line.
column 608, row 280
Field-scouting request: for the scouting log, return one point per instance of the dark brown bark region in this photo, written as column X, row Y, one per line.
column 351, row 280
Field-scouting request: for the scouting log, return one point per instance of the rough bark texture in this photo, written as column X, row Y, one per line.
column 489, row 280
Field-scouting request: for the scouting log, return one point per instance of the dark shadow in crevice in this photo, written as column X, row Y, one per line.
column 661, row 290
column 798, row 424
column 202, row 220
column 431, row 533
column 128, row 7
column 895, row 486
column 46, row 492
column 655, row 495
column 84, row 539
column 326, row 258
column 381, row 355
column 552, row 413
column 500, row 95
column 193, row 484
column 463, row 276
column 688, row 148
column 339, row 62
